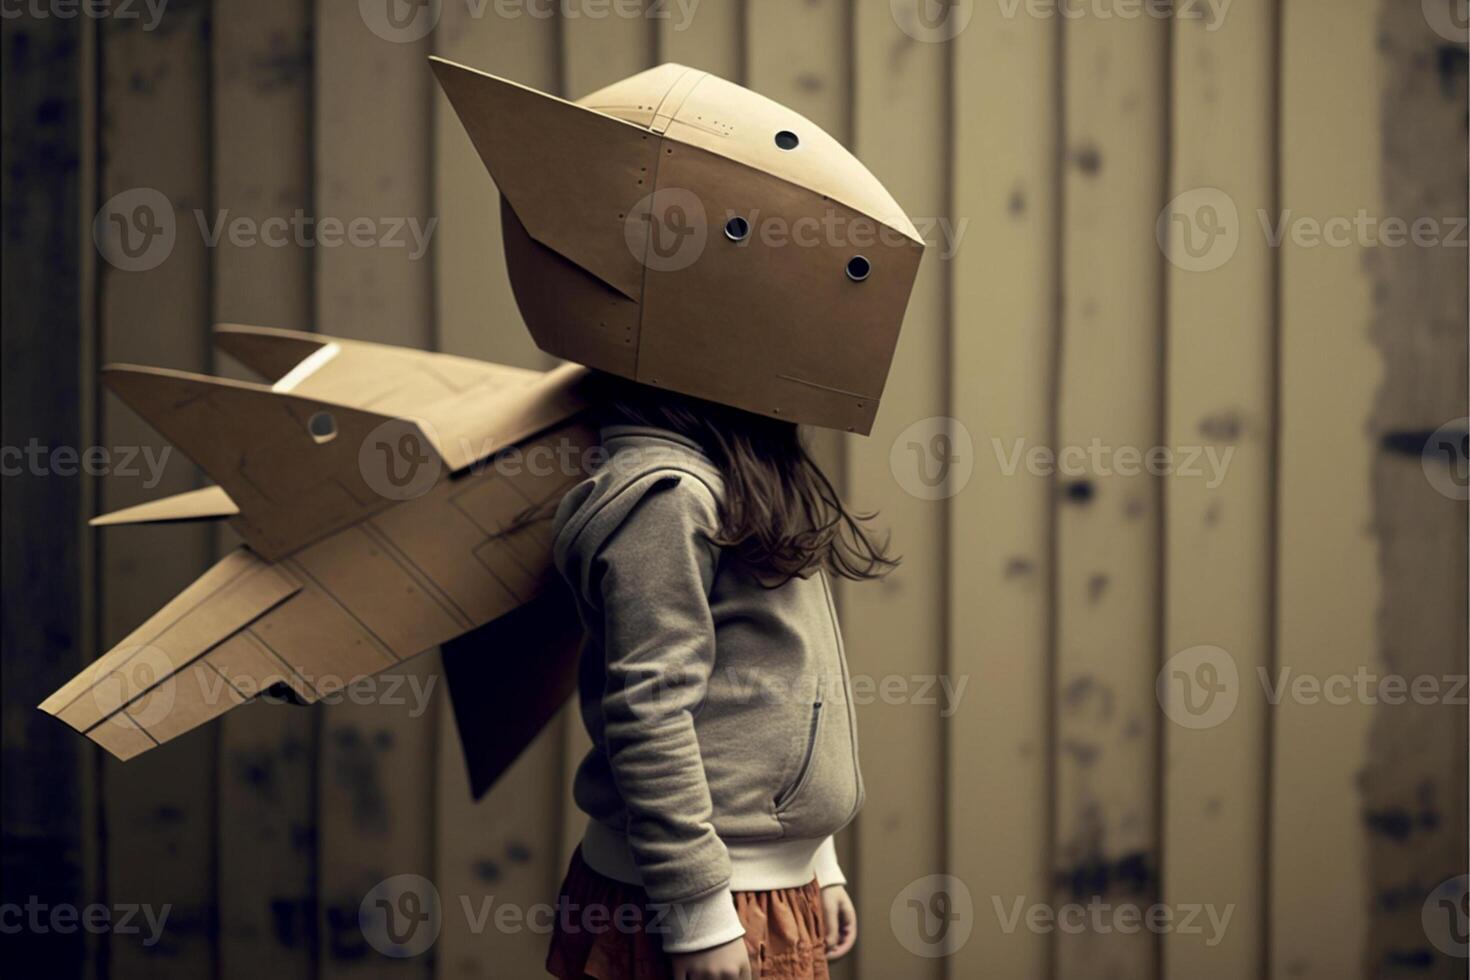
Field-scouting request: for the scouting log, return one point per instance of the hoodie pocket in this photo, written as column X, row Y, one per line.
column 804, row 772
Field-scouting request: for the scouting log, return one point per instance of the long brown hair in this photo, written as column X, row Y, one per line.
column 779, row 511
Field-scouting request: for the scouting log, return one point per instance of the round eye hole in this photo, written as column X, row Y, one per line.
column 737, row 229
column 322, row 426
column 787, row 140
column 858, row 268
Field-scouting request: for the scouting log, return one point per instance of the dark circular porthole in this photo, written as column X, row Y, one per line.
column 322, row 426
column 858, row 268
column 737, row 229
column 787, row 140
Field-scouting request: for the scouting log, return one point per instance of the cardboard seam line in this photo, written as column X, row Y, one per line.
column 96, row 670
column 186, row 665
column 269, row 652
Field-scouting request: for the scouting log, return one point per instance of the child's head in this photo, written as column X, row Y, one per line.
column 780, row 513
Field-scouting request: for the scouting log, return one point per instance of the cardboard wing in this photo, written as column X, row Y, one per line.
column 391, row 501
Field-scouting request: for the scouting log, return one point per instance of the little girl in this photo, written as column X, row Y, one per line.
column 714, row 687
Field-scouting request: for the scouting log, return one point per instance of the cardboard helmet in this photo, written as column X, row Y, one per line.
column 684, row 232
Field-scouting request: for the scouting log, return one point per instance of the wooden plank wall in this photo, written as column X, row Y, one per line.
column 267, row 756
column 1006, row 280
column 47, row 176
column 1218, row 388
column 1088, row 654
column 154, row 153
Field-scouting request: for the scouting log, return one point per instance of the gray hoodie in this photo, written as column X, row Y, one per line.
column 724, row 743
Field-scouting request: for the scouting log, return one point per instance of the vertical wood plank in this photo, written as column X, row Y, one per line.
column 477, row 315
column 372, row 146
column 504, row 851
column 262, row 177
column 1107, row 568
column 1217, row 517
column 1414, row 792
column 155, row 179
column 1004, row 286
column 1328, row 585
column 899, row 123
column 706, row 35
column 602, row 44
column 46, row 799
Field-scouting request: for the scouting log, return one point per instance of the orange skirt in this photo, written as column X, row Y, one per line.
column 602, row 931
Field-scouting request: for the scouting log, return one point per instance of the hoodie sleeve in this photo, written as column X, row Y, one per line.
column 651, row 577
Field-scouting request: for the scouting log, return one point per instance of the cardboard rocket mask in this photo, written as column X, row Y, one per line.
column 682, row 231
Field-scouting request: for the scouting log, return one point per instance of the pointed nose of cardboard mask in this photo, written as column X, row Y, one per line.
column 682, row 231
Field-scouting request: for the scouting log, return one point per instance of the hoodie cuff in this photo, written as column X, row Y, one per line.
column 829, row 872
column 701, row 923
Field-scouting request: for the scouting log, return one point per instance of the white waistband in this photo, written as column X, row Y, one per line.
column 753, row 866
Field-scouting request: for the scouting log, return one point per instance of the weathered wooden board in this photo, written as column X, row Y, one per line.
column 1327, row 580
column 708, row 35
column 475, row 311
column 377, row 761
column 1217, row 518
column 261, row 149
column 505, row 851
column 601, row 44
column 1107, row 533
column 1004, row 164
column 896, row 630
column 47, row 799
column 154, row 179
column 1413, row 787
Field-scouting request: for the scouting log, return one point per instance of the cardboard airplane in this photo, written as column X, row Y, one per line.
column 672, row 228
column 390, row 501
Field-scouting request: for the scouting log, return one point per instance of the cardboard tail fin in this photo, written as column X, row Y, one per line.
column 204, row 504
column 268, row 351
column 508, row 679
column 297, row 468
